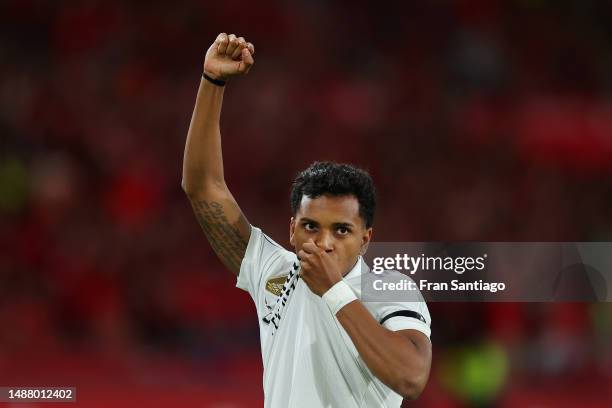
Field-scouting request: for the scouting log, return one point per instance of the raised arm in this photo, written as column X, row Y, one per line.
column 216, row 210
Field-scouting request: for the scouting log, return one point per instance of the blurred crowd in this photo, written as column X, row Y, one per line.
column 479, row 120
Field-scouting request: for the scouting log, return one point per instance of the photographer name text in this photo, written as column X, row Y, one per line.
column 425, row 285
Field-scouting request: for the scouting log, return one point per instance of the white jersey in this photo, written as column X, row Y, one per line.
column 309, row 360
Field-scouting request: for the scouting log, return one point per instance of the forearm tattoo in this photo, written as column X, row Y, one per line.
column 224, row 237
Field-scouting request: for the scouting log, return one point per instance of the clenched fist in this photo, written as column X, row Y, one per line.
column 319, row 271
column 228, row 56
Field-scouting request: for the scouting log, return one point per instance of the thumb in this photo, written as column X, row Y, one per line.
column 246, row 61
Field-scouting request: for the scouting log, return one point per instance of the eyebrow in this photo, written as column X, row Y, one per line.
column 335, row 224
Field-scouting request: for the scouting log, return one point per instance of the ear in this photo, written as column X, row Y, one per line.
column 292, row 231
column 365, row 241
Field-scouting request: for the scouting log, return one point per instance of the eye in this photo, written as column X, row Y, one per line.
column 343, row 231
column 309, row 226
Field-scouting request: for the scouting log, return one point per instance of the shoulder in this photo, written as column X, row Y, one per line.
column 264, row 258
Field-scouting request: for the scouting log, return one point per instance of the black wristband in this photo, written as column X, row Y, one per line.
column 217, row 82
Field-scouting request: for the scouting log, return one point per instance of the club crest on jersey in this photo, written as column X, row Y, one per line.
column 287, row 285
column 275, row 285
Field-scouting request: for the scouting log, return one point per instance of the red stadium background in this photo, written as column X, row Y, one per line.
column 479, row 120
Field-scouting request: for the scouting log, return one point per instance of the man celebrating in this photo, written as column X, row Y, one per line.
column 321, row 346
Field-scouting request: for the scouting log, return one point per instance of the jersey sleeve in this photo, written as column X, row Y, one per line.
column 404, row 315
column 393, row 310
column 401, row 311
column 263, row 259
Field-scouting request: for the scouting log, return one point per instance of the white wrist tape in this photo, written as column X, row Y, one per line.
column 338, row 296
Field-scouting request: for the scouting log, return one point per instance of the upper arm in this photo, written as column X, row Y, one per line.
column 224, row 224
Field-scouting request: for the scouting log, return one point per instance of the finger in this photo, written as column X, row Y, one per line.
column 306, row 261
column 304, row 266
column 305, row 270
column 251, row 48
column 233, row 43
column 247, row 61
column 310, row 247
column 222, row 41
column 303, row 255
column 315, row 246
column 238, row 51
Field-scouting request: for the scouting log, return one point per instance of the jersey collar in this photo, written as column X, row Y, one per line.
column 359, row 268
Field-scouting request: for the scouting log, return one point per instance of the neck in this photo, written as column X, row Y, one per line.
column 351, row 268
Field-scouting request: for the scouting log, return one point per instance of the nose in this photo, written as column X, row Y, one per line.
column 325, row 241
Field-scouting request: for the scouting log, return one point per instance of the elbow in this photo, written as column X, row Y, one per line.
column 204, row 188
column 188, row 190
column 191, row 192
column 411, row 385
column 410, row 392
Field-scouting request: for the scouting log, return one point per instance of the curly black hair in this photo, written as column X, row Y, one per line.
column 336, row 179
